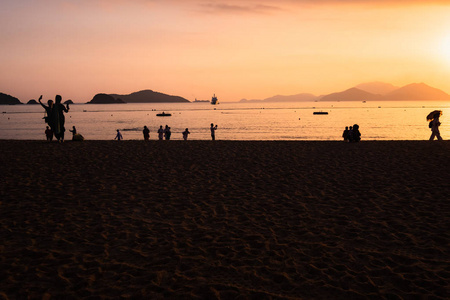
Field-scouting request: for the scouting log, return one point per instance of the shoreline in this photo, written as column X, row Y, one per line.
column 224, row 219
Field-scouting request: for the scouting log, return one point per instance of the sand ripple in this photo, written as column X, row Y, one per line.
column 224, row 220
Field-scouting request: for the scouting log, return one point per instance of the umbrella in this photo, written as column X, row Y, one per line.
column 434, row 114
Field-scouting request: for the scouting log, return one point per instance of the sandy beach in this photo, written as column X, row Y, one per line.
column 224, row 220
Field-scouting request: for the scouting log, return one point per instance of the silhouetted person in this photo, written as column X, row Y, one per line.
column 435, row 127
column 118, row 136
column 350, row 134
column 49, row 111
column 345, row 134
column 58, row 115
column 160, row 133
column 75, row 135
column 49, row 134
column 167, row 133
column 74, row 131
column 356, row 136
column 146, row 133
column 185, row 134
column 213, row 131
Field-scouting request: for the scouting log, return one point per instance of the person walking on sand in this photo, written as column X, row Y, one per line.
column 49, row 134
column 118, row 136
column 146, row 133
column 185, row 134
column 213, row 131
column 160, row 133
column 345, row 134
column 435, row 126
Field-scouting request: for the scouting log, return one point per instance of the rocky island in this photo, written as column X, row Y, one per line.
column 8, row 100
column 104, row 99
column 149, row 96
column 145, row 96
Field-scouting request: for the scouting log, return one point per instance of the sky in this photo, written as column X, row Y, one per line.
column 250, row 49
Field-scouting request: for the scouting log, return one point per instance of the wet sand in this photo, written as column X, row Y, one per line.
column 225, row 220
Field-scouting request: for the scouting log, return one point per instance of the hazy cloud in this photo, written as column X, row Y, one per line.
column 245, row 8
column 259, row 6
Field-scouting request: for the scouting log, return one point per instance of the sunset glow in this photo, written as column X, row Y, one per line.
column 235, row 49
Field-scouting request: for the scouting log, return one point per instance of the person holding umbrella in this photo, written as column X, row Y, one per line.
column 433, row 118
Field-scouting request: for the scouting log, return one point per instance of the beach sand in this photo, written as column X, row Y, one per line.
column 225, row 220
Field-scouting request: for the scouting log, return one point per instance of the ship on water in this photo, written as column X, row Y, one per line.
column 214, row 100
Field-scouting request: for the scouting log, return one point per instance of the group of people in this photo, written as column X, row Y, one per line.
column 165, row 133
column 351, row 134
column 55, row 118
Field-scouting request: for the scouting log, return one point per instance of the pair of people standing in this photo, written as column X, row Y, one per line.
column 163, row 133
column 55, row 117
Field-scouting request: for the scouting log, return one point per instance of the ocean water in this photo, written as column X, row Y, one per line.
column 405, row 120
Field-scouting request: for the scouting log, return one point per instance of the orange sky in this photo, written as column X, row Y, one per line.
column 235, row 49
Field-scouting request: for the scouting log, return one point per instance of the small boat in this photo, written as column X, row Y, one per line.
column 320, row 113
column 214, row 100
column 163, row 114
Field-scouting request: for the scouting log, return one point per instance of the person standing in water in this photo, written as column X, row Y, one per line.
column 146, row 133
column 160, row 133
column 185, row 134
column 213, row 131
column 118, row 136
column 167, row 132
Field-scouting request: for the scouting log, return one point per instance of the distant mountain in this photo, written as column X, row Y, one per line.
column 32, row 101
column 417, row 91
column 353, row 94
column 8, row 99
column 411, row 92
column 104, row 99
column 149, row 96
column 282, row 98
column 377, row 87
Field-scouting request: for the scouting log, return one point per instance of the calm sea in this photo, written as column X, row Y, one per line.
column 236, row 121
